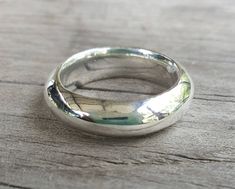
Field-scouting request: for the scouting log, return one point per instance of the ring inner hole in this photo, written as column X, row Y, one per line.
column 118, row 78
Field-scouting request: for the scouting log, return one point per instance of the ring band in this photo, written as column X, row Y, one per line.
column 119, row 117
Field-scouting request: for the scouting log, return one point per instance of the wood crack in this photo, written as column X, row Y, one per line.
column 29, row 117
column 201, row 159
column 13, row 186
column 20, row 83
column 192, row 158
column 213, row 100
column 116, row 162
column 219, row 95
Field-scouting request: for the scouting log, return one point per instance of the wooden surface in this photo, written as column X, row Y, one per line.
column 39, row 151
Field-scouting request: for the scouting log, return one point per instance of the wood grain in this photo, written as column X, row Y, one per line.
column 39, row 151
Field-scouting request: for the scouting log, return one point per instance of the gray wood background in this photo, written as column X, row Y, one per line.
column 39, row 151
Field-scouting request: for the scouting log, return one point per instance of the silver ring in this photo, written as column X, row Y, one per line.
column 125, row 117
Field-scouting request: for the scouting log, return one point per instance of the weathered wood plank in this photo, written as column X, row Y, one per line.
column 44, row 138
column 39, row 151
column 36, row 31
column 50, row 149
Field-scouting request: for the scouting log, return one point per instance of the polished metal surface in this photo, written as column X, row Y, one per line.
column 123, row 116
